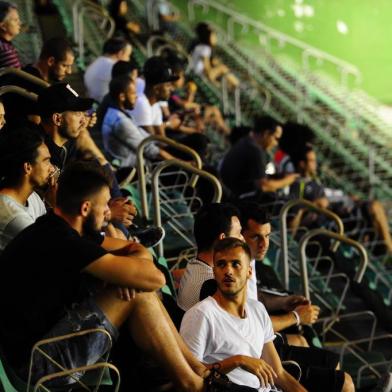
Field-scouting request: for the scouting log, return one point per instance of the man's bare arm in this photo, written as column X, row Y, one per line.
column 132, row 271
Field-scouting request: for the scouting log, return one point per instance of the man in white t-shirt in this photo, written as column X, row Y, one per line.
column 147, row 113
column 232, row 333
column 24, row 167
column 98, row 74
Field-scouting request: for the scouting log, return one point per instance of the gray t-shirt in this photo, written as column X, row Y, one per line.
column 14, row 217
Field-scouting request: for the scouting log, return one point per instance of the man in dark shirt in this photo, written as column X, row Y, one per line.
column 55, row 61
column 244, row 168
column 54, row 65
column 9, row 29
column 370, row 212
column 63, row 119
column 50, row 261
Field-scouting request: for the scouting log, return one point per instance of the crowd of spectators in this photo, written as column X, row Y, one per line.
column 68, row 232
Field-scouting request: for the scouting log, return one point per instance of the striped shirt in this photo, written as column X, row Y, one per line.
column 196, row 273
column 8, row 55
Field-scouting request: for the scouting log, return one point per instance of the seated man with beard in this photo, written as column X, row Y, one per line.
column 24, row 168
column 52, row 258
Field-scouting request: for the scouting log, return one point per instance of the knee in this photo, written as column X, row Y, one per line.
column 348, row 385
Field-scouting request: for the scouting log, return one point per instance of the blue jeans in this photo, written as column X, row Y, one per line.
column 78, row 351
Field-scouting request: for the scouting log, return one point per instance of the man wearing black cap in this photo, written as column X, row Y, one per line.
column 63, row 119
column 147, row 113
column 63, row 122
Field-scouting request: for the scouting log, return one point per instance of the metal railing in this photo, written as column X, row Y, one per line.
column 18, row 90
column 284, row 235
column 188, row 168
column 141, row 169
column 340, row 238
column 106, row 26
column 270, row 34
column 23, row 75
column 38, row 349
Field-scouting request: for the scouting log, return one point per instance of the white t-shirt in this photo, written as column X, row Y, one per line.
column 97, row 77
column 140, row 85
column 14, row 217
column 146, row 114
column 212, row 334
column 200, row 52
column 196, row 273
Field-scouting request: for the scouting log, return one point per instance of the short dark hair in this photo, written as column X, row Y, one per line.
column 264, row 124
column 121, row 68
column 229, row 243
column 294, row 137
column 114, row 45
column 77, row 183
column 56, row 47
column 254, row 211
column 238, row 132
column 203, row 32
column 17, row 146
column 118, row 86
column 301, row 154
column 212, row 220
column 5, row 8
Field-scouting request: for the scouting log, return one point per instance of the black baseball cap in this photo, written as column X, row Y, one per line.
column 61, row 97
column 156, row 70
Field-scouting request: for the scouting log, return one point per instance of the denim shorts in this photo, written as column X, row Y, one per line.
column 78, row 351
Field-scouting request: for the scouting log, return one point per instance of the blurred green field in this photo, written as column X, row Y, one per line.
column 357, row 31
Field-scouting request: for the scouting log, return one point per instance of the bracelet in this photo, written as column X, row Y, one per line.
column 216, row 365
column 296, row 315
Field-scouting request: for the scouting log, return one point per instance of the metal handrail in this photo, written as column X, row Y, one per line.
column 63, row 371
column 187, row 167
column 24, row 75
column 79, row 8
column 140, row 165
column 167, row 44
column 283, row 230
column 341, row 238
column 246, row 22
column 82, row 369
column 75, row 14
column 102, row 13
column 18, row 90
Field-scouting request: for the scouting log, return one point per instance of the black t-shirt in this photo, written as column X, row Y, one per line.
column 41, row 276
column 243, row 165
column 60, row 156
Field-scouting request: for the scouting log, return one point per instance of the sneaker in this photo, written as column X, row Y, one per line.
column 384, row 383
column 218, row 382
column 149, row 236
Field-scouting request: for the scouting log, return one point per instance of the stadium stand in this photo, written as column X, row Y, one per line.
column 336, row 261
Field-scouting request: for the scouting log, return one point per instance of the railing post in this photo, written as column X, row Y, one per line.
column 225, row 96
column 187, row 167
column 284, row 235
column 340, row 238
column 237, row 105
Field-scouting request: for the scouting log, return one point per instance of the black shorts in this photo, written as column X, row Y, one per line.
column 318, row 366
